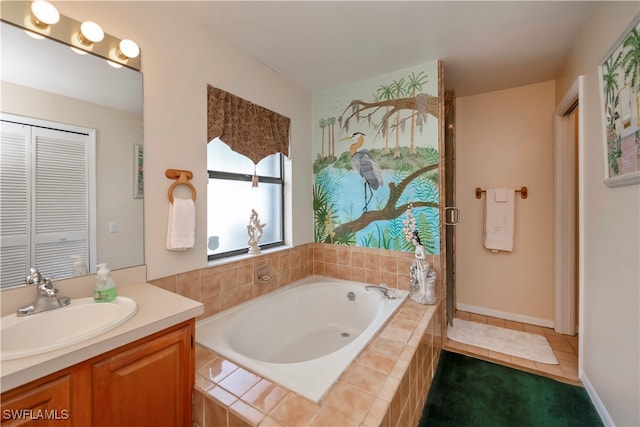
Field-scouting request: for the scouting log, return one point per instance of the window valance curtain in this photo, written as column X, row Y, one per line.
column 249, row 129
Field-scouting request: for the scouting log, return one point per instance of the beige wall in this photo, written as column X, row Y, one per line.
column 116, row 132
column 179, row 59
column 611, row 240
column 505, row 139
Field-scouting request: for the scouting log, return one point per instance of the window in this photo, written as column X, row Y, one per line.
column 231, row 197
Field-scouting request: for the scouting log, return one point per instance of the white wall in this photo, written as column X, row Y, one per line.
column 179, row 59
column 611, row 280
column 505, row 139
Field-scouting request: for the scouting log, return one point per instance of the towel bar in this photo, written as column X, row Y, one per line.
column 524, row 193
column 181, row 177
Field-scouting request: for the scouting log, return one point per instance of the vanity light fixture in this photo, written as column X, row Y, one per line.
column 90, row 33
column 127, row 49
column 44, row 14
column 39, row 17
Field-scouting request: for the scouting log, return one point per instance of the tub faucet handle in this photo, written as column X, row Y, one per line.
column 391, row 293
column 388, row 293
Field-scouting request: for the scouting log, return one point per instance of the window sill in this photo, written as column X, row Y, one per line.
column 236, row 258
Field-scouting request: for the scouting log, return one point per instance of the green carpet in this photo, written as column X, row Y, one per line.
column 472, row 392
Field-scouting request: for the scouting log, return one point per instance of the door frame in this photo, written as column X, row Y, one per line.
column 566, row 252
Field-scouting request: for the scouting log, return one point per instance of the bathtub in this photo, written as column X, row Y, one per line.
column 303, row 335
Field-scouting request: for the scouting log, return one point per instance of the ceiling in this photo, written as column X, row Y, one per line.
column 320, row 45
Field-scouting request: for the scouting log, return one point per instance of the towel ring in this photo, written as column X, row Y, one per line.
column 182, row 177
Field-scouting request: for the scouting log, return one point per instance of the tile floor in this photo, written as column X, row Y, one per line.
column 564, row 347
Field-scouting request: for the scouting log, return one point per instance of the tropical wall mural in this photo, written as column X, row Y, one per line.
column 376, row 158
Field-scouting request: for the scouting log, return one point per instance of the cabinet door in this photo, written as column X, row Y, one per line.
column 48, row 404
column 147, row 385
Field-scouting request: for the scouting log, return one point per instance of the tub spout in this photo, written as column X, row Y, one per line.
column 388, row 293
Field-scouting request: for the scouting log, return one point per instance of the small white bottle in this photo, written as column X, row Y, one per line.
column 79, row 267
column 105, row 290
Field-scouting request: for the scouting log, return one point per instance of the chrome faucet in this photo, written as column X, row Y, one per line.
column 388, row 293
column 47, row 298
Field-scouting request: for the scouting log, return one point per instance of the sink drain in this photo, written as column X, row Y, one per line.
column 345, row 334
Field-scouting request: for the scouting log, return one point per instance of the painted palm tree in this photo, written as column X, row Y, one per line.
column 414, row 85
column 398, row 90
column 322, row 124
column 631, row 63
column 331, row 121
column 386, row 93
column 364, row 163
column 610, row 79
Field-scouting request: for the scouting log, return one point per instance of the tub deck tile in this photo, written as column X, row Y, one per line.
column 378, row 361
column 246, row 413
column 389, row 347
column 333, row 417
column 270, row 422
column 217, row 370
column 294, row 410
column 349, row 399
column 265, row 395
column 366, row 379
column 239, row 381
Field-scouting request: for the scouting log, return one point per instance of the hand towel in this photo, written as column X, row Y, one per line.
column 499, row 209
column 181, row 229
column 501, row 194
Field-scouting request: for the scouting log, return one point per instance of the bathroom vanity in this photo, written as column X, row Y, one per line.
column 140, row 373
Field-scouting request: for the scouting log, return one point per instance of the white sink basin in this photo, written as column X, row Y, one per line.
column 61, row 327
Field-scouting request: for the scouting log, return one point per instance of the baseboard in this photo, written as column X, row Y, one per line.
column 595, row 399
column 504, row 315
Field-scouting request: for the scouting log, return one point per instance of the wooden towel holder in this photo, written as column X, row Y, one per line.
column 524, row 193
column 181, row 177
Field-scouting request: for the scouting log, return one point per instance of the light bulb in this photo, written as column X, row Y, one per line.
column 78, row 51
column 90, row 32
column 44, row 13
column 128, row 49
column 114, row 64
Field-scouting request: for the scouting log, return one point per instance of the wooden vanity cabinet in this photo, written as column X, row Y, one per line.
column 45, row 404
column 144, row 383
column 147, row 385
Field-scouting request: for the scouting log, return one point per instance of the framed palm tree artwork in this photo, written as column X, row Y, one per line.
column 619, row 74
column 138, row 171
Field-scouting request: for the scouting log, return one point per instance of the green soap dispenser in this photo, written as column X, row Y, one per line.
column 105, row 290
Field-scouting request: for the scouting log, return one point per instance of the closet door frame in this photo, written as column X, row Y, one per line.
column 568, row 179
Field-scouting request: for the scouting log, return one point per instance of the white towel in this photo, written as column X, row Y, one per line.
column 499, row 211
column 181, row 230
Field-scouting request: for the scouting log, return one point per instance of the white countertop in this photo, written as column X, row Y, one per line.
column 158, row 309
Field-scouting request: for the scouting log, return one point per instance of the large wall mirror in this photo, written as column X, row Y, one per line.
column 46, row 83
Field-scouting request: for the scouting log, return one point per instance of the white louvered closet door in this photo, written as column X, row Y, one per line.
column 45, row 221
column 61, row 200
column 14, row 206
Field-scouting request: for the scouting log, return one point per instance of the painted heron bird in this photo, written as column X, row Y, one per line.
column 364, row 163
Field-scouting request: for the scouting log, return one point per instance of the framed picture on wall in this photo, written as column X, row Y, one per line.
column 619, row 77
column 138, row 171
